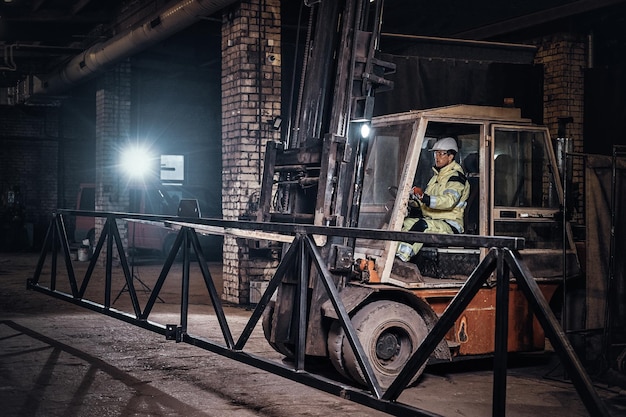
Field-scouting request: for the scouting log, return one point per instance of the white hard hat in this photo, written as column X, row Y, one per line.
column 445, row 144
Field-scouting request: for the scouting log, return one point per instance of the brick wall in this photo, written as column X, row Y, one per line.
column 28, row 169
column 251, row 78
column 77, row 147
column 112, row 134
column 46, row 151
column 564, row 58
column 29, row 157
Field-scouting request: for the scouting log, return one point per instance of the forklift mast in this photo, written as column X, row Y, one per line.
column 311, row 177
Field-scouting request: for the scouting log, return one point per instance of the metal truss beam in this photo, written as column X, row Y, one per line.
column 301, row 256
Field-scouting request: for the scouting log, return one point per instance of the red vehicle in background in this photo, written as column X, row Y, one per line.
column 146, row 235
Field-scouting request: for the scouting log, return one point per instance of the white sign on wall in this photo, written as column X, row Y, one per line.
column 172, row 168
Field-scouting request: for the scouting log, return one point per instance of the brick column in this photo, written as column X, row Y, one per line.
column 564, row 58
column 251, row 56
column 112, row 133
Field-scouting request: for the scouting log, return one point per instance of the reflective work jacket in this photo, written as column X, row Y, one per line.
column 448, row 190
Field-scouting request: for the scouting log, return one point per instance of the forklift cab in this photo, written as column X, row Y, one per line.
column 514, row 187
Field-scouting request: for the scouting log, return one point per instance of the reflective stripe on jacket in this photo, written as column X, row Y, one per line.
column 448, row 190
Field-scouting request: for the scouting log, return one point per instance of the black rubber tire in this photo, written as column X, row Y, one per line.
column 383, row 323
column 266, row 322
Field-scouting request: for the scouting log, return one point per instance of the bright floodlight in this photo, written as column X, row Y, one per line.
column 136, row 161
column 365, row 130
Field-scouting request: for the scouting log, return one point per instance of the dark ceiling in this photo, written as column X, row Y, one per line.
column 38, row 35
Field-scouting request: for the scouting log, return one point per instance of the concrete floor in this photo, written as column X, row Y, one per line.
column 57, row 359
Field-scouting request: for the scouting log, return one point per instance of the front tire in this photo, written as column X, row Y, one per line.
column 335, row 341
column 389, row 332
column 285, row 349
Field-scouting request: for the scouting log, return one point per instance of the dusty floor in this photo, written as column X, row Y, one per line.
column 57, row 359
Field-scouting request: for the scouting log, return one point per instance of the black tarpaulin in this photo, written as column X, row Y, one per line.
column 424, row 82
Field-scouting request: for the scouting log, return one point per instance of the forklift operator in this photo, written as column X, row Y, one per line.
column 440, row 207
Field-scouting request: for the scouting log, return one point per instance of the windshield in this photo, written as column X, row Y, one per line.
column 383, row 168
column 385, row 162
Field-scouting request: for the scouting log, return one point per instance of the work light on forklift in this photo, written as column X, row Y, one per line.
column 136, row 161
column 365, row 130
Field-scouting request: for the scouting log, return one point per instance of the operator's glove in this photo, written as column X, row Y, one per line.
column 416, row 193
column 414, row 200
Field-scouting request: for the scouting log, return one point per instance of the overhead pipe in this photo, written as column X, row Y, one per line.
column 102, row 55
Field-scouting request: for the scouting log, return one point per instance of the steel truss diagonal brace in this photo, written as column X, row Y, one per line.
column 475, row 281
column 557, row 336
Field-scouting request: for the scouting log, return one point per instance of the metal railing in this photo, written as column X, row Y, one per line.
column 502, row 258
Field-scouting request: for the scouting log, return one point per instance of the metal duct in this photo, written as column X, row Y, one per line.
column 101, row 55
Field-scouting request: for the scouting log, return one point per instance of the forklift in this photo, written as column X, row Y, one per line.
column 340, row 166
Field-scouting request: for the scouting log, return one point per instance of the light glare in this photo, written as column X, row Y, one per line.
column 365, row 130
column 136, row 161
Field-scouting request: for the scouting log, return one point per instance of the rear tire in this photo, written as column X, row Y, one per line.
column 389, row 332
